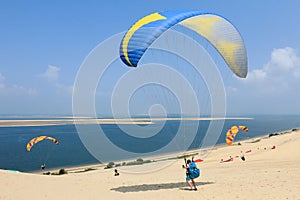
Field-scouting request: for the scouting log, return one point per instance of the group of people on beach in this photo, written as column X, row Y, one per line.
column 242, row 156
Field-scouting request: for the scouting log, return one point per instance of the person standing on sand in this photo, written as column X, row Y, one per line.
column 243, row 156
column 192, row 172
column 116, row 172
column 43, row 166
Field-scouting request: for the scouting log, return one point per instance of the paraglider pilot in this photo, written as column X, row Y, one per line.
column 43, row 166
column 192, row 172
column 116, row 172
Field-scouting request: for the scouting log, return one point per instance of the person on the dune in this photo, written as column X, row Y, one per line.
column 243, row 156
column 116, row 172
column 43, row 166
column 228, row 160
column 192, row 172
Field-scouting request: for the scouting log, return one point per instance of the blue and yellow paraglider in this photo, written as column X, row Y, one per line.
column 218, row 31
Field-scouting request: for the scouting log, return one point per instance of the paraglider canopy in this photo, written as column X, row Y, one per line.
column 224, row 37
column 38, row 139
column 231, row 133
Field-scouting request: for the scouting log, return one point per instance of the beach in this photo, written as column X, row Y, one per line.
column 271, row 171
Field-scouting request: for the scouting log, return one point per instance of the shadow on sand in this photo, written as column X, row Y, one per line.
column 147, row 187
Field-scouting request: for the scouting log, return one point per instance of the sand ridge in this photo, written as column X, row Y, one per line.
column 86, row 120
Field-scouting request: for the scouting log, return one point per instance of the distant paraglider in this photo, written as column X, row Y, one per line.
column 231, row 133
column 38, row 139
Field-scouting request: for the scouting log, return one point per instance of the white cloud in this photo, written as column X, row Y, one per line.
column 69, row 89
column 257, row 75
column 278, row 73
column 17, row 89
column 285, row 59
column 273, row 88
column 51, row 73
column 14, row 89
column 296, row 73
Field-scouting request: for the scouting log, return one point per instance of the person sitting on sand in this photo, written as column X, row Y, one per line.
column 228, row 160
column 192, row 172
column 248, row 151
column 116, row 172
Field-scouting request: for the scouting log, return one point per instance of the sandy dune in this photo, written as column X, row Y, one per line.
column 266, row 174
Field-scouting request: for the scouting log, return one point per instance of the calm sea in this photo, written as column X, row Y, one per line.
column 71, row 151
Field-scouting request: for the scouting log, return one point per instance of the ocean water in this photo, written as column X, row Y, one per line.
column 72, row 152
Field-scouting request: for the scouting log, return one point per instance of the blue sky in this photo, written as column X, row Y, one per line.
column 43, row 44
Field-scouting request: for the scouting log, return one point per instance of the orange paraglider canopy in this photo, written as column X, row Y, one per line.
column 38, row 139
column 231, row 133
